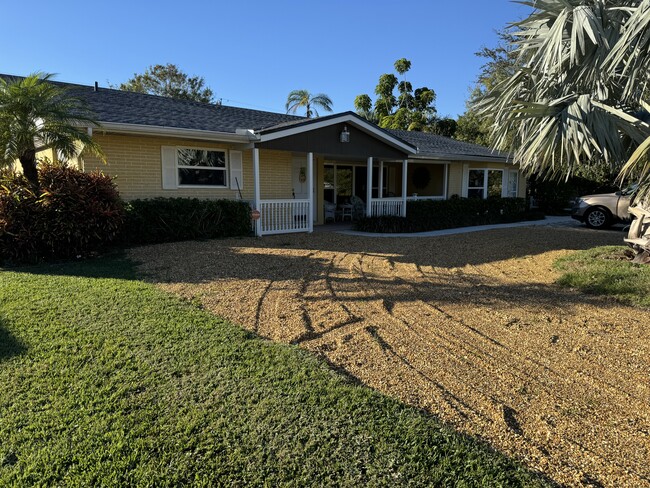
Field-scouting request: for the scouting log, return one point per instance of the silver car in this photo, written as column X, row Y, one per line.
column 601, row 211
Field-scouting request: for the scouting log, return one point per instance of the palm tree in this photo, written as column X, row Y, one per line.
column 578, row 97
column 302, row 98
column 35, row 115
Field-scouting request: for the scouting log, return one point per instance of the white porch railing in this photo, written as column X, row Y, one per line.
column 419, row 197
column 284, row 216
column 386, row 206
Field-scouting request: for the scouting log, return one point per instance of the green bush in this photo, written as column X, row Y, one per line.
column 177, row 219
column 555, row 197
column 72, row 214
column 426, row 215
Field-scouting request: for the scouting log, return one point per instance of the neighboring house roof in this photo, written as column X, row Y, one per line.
column 433, row 146
column 141, row 112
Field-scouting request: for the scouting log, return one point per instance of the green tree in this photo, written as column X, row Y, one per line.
column 169, row 81
column 500, row 63
column 36, row 115
column 302, row 98
column 397, row 105
column 575, row 100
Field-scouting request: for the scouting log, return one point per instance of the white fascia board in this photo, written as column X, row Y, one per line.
column 461, row 157
column 154, row 130
column 346, row 118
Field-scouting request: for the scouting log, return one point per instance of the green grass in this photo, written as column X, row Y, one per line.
column 107, row 381
column 607, row 271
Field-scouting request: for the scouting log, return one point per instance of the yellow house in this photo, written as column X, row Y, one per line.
column 296, row 172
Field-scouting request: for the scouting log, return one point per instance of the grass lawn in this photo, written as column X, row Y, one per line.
column 109, row 381
column 607, row 270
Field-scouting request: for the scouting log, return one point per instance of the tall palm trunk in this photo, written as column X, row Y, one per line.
column 28, row 162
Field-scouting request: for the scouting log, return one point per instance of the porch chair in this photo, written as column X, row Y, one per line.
column 330, row 211
column 358, row 207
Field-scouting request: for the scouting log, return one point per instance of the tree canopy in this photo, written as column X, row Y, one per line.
column 407, row 109
column 576, row 96
column 169, row 81
column 304, row 99
column 35, row 115
column 500, row 63
column 399, row 106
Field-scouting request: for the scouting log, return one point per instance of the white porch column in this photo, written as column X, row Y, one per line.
column 369, row 189
column 256, row 180
column 380, row 192
column 405, row 164
column 310, row 190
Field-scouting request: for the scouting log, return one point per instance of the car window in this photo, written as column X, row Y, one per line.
column 629, row 190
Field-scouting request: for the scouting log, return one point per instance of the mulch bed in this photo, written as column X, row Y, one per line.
column 468, row 327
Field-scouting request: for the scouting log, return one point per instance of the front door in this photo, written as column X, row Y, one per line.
column 299, row 181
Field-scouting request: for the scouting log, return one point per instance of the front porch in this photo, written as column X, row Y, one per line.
column 320, row 150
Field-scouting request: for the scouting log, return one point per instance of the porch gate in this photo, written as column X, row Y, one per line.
column 284, row 216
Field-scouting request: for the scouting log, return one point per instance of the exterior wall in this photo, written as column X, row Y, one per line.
column 319, row 201
column 455, row 182
column 135, row 162
column 455, row 179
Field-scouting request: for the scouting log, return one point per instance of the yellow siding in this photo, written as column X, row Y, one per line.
column 455, row 182
column 135, row 162
column 455, row 179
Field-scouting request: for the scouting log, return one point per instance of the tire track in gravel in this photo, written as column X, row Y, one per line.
column 322, row 305
column 487, row 316
column 605, row 387
column 381, row 317
column 599, row 381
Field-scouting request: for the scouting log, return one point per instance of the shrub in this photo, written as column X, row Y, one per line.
column 426, row 215
column 176, row 219
column 555, row 197
column 73, row 213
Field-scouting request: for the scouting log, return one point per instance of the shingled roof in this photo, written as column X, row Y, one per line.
column 435, row 146
column 126, row 107
column 141, row 109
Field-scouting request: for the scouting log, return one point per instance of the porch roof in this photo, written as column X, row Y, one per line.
column 433, row 146
column 321, row 135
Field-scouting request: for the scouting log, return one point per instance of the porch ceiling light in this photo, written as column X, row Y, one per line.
column 345, row 134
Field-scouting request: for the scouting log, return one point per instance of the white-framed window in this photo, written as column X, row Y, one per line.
column 198, row 167
column 483, row 183
column 513, row 184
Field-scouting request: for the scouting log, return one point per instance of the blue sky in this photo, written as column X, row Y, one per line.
column 253, row 53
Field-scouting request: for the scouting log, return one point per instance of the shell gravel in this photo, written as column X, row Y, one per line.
column 470, row 327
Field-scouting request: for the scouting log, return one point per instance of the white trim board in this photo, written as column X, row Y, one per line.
column 344, row 118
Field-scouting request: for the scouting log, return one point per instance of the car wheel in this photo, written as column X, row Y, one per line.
column 598, row 218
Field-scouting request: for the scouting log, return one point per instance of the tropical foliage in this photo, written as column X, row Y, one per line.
column 73, row 214
column 304, row 99
column 169, row 81
column 500, row 64
column 35, row 115
column 576, row 98
column 407, row 110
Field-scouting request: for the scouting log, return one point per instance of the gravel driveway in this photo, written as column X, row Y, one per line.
column 468, row 327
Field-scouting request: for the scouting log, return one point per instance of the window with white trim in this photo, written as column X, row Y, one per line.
column 513, row 183
column 201, row 167
column 483, row 183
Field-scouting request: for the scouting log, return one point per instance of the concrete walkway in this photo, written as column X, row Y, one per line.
column 549, row 221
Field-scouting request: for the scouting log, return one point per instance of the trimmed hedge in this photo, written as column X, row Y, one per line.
column 426, row 215
column 179, row 219
column 72, row 214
